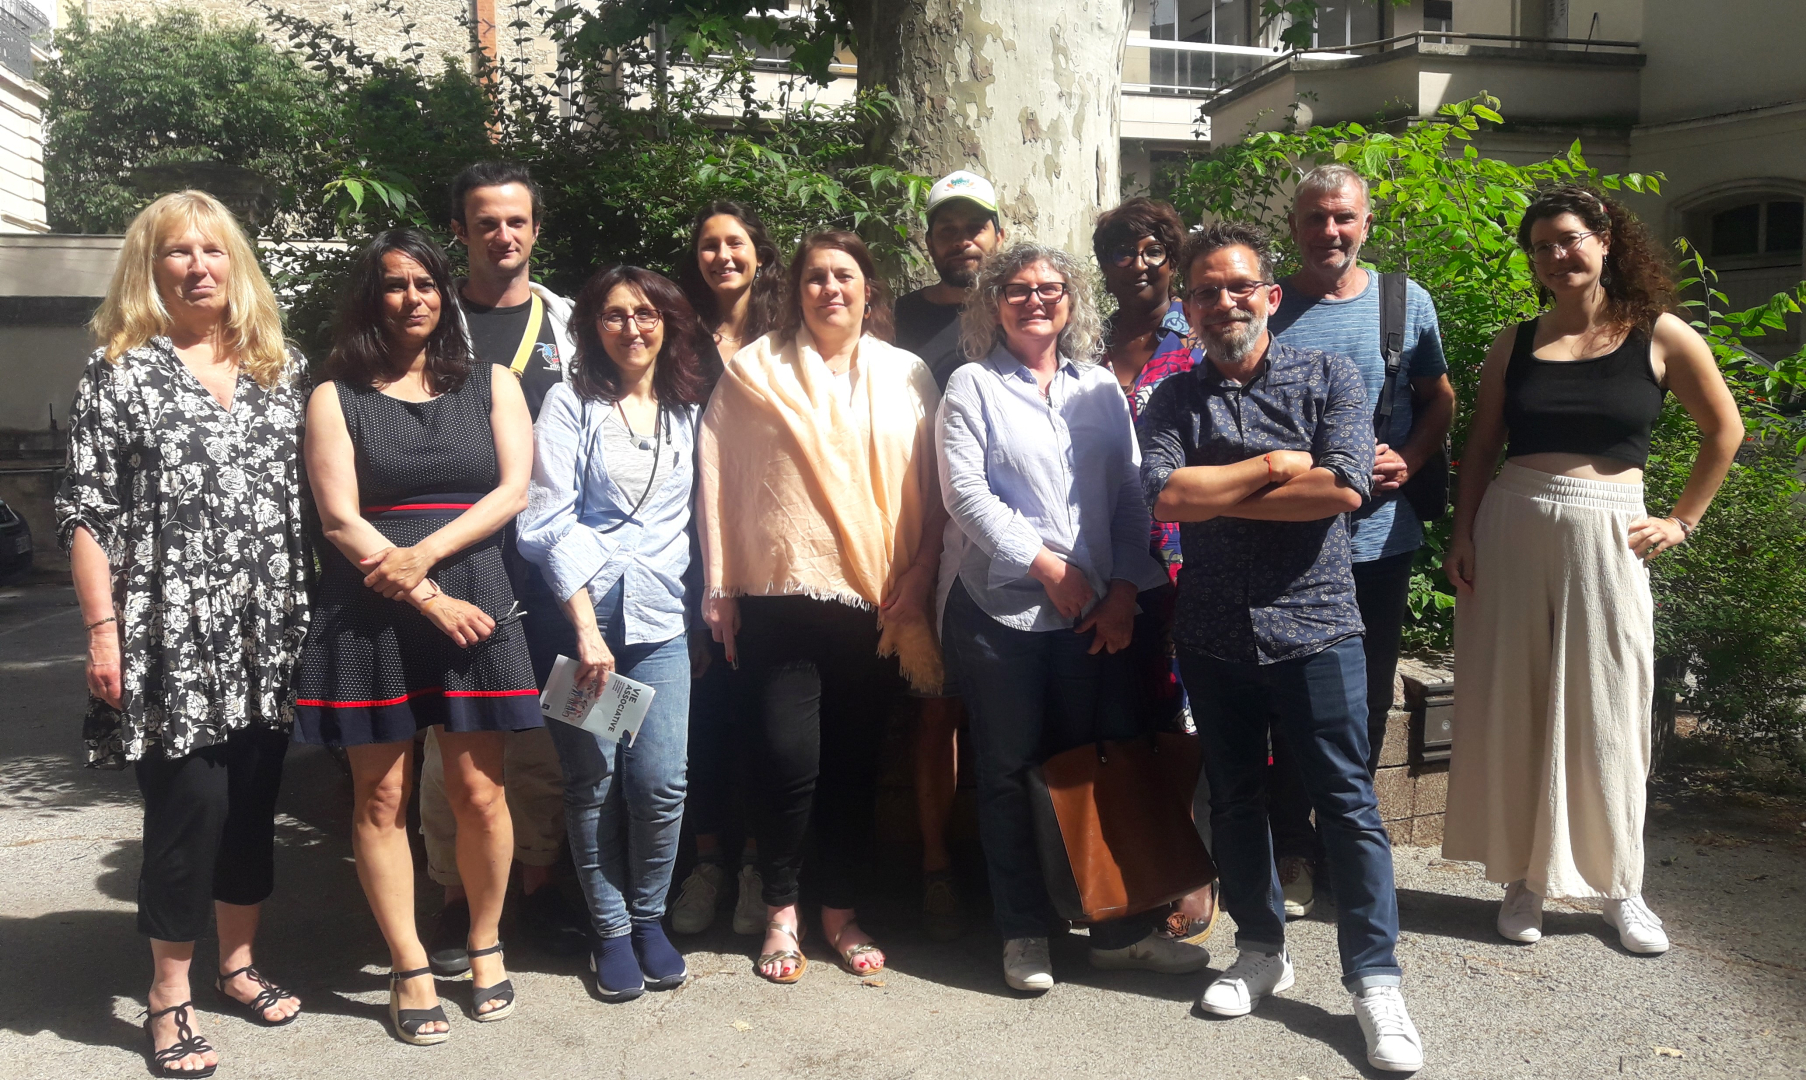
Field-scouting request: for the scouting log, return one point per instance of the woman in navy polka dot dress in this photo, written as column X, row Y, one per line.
column 418, row 459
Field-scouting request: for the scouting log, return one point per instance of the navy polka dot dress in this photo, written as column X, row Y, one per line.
column 375, row 670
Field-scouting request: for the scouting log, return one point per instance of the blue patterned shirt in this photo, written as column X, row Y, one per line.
column 1259, row 592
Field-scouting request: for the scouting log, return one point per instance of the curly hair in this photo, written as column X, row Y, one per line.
column 1134, row 219
column 879, row 320
column 1638, row 282
column 1224, row 234
column 982, row 331
column 678, row 378
column 360, row 345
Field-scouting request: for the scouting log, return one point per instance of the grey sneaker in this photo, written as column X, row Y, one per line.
column 1159, row 952
column 749, row 906
column 696, row 901
column 1299, row 885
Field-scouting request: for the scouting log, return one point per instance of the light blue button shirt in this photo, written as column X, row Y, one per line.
column 572, row 501
column 1019, row 472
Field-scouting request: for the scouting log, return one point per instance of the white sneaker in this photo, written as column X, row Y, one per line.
column 1253, row 976
column 1026, row 965
column 749, row 906
column 1299, row 884
column 1159, row 951
column 1521, row 914
column 695, row 906
column 1639, row 930
column 1392, row 1040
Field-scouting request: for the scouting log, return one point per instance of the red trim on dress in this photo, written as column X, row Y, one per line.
column 319, row 704
column 417, row 506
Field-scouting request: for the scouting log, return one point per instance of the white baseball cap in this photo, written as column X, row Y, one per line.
column 961, row 184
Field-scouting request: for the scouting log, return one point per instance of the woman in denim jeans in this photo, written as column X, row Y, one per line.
column 607, row 518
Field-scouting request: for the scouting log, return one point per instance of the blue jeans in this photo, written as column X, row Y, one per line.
column 1318, row 704
column 624, row 804
column 1030, row 695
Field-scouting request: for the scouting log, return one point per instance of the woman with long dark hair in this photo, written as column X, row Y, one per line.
column 819, row 516
column 1554, row 632
column 734, row 279
column 607, row 520
column 418, row 458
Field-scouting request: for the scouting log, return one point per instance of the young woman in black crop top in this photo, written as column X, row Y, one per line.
column 1554, row 631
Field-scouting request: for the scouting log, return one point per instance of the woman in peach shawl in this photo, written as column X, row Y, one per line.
column 820, row 521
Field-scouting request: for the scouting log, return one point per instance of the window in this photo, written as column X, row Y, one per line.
column 1347, row 22
column 1757, row 229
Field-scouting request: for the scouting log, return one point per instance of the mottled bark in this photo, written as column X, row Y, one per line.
column 1026, row 93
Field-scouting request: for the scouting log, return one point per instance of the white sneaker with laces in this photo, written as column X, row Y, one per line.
column 1026, row 965
column 1253, row 976
column 695, row 906
column 1392, row 1040
column 1639, row 930
column 1521, row 914
column 749, row 906
column 1159, row 951
column 1299, row 885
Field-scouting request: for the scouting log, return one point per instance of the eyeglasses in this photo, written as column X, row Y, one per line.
column 1206, row 295
column 1050, row 292
column 1153, row 256
column 1555, row 249
column 645, row 318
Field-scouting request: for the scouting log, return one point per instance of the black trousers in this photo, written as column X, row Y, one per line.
column 720, row 750
column 209, row 831
column 824, row 696
column 1383, row 591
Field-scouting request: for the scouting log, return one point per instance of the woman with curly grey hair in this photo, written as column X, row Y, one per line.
column 1037, row 586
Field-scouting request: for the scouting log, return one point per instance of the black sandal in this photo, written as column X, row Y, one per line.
column 480, row 995
column 267, row 998
column 187, row 1042
column 408, row 1022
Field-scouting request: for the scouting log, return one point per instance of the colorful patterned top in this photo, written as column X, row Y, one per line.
column 1176, row 351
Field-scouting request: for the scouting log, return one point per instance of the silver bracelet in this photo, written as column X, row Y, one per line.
column 1686, row 529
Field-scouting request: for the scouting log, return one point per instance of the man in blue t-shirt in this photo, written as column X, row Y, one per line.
column 1333, row 304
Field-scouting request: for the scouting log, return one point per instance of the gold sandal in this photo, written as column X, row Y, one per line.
column 848, row 955
column 796, row 954
column 1196, row 933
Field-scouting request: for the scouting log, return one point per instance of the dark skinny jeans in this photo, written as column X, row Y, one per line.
column 824, row 696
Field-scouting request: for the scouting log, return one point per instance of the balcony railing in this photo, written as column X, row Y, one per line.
column 1192, row 68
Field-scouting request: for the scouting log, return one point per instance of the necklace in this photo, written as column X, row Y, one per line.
column 644, row 442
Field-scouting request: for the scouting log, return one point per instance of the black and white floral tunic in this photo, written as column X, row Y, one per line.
column 199, row 510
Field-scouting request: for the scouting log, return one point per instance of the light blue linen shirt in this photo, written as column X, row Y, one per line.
column 1019, row 473
column 572, row 500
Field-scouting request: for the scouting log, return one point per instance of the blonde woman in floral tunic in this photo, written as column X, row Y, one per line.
column 181, row 513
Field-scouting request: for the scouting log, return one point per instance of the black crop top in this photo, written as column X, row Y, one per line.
column 1602, row 407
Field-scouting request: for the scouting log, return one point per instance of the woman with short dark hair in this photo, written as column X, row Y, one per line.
column 607, row 520
column 418, row 459
column 181, row 512
column 819, row 523
column 1554, row 622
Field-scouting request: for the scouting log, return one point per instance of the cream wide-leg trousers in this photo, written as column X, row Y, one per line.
column 1554, row 677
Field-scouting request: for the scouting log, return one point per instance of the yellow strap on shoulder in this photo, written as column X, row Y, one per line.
column 535, row 315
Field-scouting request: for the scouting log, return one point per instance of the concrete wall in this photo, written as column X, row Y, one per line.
column 1707, row 58
column 21, row 154
column 437, row 22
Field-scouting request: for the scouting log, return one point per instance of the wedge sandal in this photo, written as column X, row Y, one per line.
column 408, row 1022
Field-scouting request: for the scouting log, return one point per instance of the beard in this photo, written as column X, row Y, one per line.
column 960, row 274
column 1347, row 259
column 1232, row 345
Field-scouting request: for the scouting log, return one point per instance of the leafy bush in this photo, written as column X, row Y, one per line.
column 1729, row 624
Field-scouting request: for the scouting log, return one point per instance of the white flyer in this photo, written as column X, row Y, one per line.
column 616, row 712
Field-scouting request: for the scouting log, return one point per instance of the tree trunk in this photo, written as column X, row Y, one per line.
column 1027, row 95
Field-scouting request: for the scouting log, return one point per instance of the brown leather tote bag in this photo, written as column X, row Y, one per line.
column 1114, row 827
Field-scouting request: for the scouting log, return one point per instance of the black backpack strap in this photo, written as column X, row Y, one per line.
column 1392, row 347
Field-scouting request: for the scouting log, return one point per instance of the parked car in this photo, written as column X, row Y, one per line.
column 15, row 542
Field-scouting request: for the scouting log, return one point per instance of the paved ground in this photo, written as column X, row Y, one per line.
column 1729, row 1001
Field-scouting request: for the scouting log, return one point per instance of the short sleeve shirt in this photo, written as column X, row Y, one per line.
column 495, row 334
column 931, row 331
column 1351, row 327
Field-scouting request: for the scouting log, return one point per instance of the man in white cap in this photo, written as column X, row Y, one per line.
column 963, row 227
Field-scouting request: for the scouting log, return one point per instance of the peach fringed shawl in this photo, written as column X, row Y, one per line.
column 800, row 495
